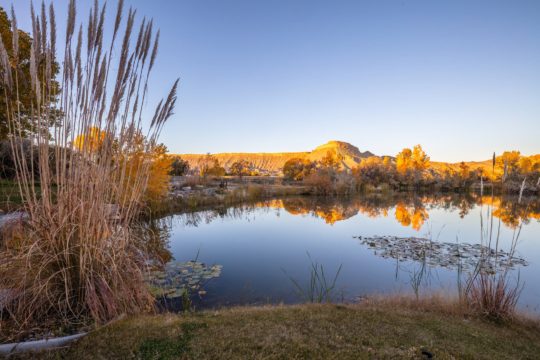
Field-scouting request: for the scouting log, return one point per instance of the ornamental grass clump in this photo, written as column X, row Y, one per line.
column 78, row 259
column 494, row 293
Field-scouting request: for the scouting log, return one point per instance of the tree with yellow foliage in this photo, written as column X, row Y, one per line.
column 90, row 141
column 210, row 166
column 373, row 171
column 409, row 160
column 387, row 163
column 331, row 160
column 507, row 164
column 158, row 178
column 404, row 160
column 464, row 171
column 525, row 165
column 241, row 168
column 298, row 169
column 158, row 163
column 420, row 160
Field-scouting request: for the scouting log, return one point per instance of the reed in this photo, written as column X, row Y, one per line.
column 320, row 288
column 489, row 291
column 78, row 259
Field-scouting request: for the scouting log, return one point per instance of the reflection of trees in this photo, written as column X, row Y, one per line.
column 510, row 211
column 328, row 210
column 414, row 216
column 410, row 209
column 154, row 236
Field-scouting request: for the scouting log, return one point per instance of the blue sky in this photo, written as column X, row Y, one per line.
column 462, row 78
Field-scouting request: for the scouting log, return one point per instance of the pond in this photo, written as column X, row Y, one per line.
column 389, row 244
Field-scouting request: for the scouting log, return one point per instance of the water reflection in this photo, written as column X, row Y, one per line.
column 254, row 242
column 154, row 236
column 409, row 210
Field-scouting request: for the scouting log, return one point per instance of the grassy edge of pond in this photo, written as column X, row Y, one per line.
column 386, row 328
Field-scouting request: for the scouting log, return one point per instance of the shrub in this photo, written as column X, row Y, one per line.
column 298, row 169
column 320, row 182
column 179, row 167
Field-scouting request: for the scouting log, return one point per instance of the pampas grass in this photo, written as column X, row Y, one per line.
column 78, row 258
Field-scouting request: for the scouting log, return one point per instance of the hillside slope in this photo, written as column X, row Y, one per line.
column 350, row 155
column 272, row 163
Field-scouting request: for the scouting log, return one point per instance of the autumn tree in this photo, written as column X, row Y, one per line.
column 373, row 171
column 331, row 160
column 210, row 166
column 24, row 97
column 508, row 163
column 143, row 152
column 464, row 171
column 158, row 179
column 241, row 168
column 387, row 162
column 90, row 141
column 179, row 166
column 525, row 165
column 412, row 160
column 297, row 169
column 404, row 160
column 420, row 159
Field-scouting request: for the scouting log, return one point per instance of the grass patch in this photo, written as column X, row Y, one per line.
column 170, row 348
column 10, row 198
column 372, row 329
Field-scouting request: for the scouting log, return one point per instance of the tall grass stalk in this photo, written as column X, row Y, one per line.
column 77, row 258
column 320, row 288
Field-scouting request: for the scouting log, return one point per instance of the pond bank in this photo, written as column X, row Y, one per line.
column 380, row 329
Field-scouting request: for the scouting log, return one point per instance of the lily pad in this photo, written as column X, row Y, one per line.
column 447, row 255
column 175, row 277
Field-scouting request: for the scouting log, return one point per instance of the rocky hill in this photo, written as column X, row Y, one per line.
column 350, row 155
column 272, row 163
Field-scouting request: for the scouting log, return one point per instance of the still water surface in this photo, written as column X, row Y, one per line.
column 261, row 246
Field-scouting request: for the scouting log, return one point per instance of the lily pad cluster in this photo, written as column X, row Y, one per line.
column 177, row 279
column 443, row 254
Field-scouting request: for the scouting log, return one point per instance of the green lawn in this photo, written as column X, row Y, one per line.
column 310, row 332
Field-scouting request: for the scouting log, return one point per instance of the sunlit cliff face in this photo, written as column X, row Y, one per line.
column 408, row 212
